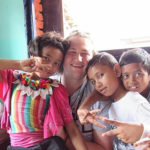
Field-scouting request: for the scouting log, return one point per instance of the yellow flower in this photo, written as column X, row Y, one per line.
column 48, row 85
column 37, row 82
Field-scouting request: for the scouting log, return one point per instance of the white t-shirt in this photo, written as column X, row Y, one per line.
column 104, row 106
column 133, row 107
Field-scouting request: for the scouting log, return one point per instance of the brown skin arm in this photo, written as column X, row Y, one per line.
column 90, row 145
column 75, row 136
column 106, row 143
column 99, row 142
column 96, row 144
column 27, row 65
column 8, row 64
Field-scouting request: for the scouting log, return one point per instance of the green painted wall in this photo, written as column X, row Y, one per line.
column 12, row 30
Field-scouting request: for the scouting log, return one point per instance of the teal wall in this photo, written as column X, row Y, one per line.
column 12, row 30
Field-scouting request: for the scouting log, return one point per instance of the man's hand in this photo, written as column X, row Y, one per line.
column 127, row 132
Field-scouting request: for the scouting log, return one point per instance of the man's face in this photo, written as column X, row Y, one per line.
column 77, row 57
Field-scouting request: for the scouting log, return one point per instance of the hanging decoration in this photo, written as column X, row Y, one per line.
column 38, row 17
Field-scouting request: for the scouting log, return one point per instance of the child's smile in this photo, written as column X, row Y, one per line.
column 134, row 77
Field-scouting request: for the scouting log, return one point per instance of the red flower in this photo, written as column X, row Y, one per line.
column 23, row 81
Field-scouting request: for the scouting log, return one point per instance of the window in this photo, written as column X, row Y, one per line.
column 114, row 24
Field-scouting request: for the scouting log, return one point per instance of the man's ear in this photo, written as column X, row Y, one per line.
column 117, row 70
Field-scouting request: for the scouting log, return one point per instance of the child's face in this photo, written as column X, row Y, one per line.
column 104, row 79
column 51, row 58
column 134, row 77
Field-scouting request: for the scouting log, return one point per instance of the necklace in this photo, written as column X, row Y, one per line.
column 43, row 83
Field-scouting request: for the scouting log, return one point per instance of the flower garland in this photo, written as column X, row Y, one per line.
column 42, row 83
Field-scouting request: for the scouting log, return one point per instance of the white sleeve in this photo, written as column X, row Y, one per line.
column 146, row 130
column 143, row 116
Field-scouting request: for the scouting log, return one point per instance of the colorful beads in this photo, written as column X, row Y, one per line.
column 26, row 80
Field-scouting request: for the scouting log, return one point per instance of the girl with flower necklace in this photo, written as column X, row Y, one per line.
column 36, row 107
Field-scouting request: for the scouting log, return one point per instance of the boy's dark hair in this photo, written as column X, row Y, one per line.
column 53, row 39
column 136, row 55
column 103, row 58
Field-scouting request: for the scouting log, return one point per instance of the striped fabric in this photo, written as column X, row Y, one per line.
column 32, row 115
column 26, row 112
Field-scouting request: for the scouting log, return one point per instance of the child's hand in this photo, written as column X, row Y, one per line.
column 82, row 115
column 41, row 67
column 86, row 116
column 92, row 118
column 127, row 132
column 145, row 143
column 28, row 65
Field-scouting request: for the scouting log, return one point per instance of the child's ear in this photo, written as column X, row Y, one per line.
column 31, row 56
column 117, row 70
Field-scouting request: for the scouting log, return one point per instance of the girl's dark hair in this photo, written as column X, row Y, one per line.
column 103, row 58
column 136, row 55
column 53, row 39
